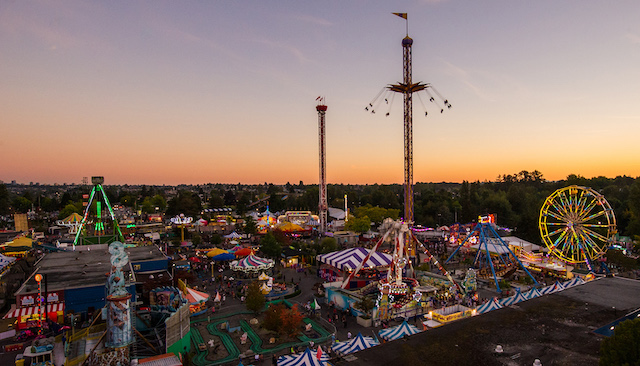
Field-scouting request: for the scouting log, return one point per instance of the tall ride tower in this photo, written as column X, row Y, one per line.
column 322, row 205
column 407, row 88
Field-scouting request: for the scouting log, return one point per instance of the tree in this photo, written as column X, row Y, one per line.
column 21, row 204
column 272, row 320
column 250, row 226
column 186, row 203
column 68, row 210
column 291, row 321
column 359, row 224
column 216, row 239
column 255, row 299
column 365, row 305
column 623, row 348
column 327, row 245
column 278, row 318
column 4, row 200
column 270, row 246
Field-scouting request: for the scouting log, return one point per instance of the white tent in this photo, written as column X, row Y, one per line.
column 574, row 282
column 354, row 345
column 336, row 213
column 552, row 288
column 233, row 235
column 531, row 294
column 399, row 331
column 306, row 358
column 494, row 304
column 518, row 297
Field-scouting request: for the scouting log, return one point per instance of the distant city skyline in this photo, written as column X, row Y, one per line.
column 224, row 92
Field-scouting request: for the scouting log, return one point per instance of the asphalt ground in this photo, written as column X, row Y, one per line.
column 557, row 329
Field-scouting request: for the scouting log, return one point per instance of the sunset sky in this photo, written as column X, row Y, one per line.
column 170, row 92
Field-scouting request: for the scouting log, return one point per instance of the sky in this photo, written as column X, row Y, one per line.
column 193, row 92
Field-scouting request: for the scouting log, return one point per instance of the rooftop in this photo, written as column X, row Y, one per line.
column 83, row 268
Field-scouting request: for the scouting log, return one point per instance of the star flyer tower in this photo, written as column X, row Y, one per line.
column 407, row 88
column 322, row 205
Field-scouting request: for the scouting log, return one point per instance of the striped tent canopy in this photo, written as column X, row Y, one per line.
column 5, row 261
column 251, row 263
column 398, row 331
column 552, row 288
column 494, row 304
column 19, row 312
column 532, row 294
column 351, row 258
column 306, row 358
column 196, row 297
column 354, row 345
column 74, row 217
column 518, row 297
column 574, row 282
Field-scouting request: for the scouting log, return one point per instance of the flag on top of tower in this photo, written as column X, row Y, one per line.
column 401, row 15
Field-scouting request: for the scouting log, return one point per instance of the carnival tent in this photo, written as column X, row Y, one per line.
column 233, row 235
column 354, row 345
column 351, row 258
column 574, row 282
column 215, row 251
column 552, row 288
column 263, row 277
column 288, row 227
column 197, row 299
column 251, row 263
column 306, row 358
column 508, row 301
column 223, row 257
column 494, row 304
column 5, row 261
column 532, row 294
column 194, row 296
column 397, row 332
column 315, row 305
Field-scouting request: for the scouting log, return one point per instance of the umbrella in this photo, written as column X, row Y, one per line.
column 223, row 257
column 243, row 252
column 215, row 251
column 195, row 259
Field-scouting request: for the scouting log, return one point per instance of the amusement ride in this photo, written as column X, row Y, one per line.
column 577, row 225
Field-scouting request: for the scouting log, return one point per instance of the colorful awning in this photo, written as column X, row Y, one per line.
column 16, row 313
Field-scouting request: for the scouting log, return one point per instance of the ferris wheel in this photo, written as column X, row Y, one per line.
column 577, row 224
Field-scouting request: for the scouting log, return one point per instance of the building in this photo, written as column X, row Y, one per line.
column 74, row 281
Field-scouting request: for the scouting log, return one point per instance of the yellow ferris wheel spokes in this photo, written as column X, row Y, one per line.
column 577, row 224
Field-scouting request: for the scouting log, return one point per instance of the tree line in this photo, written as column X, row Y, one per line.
column 515, row 199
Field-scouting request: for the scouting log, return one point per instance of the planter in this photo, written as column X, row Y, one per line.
column 365, row 322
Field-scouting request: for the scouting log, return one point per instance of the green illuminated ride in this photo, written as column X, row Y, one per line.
column 94, row 231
